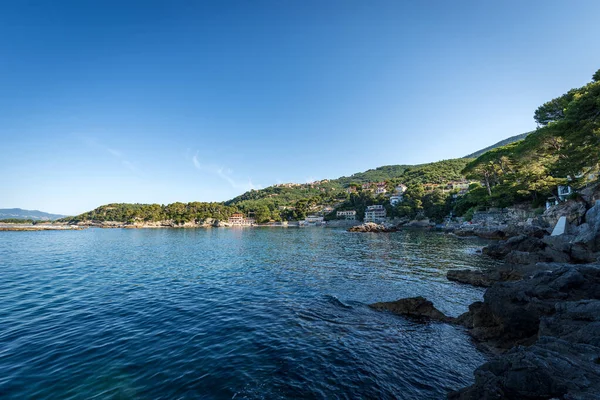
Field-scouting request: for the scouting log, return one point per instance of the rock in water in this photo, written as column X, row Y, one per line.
column 418, row 307
column 373, row 227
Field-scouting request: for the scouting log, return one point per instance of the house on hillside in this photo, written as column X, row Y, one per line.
column 395, row 199
column 375, row 213
column 380, row 188
column 239, row 219
column 349, row 215
column 564, row 192
column 400, row 189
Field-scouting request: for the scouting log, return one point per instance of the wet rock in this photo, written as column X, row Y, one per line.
column 417, row 307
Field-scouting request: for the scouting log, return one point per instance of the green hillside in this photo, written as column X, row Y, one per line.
column 501, row 143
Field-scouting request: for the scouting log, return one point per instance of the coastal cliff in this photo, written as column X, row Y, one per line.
column 540, row 315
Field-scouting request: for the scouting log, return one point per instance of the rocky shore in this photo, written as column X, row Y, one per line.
column 540, row 315
column 38, row 227
column 373, row 227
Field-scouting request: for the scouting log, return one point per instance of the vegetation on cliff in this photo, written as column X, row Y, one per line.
column 565, row 149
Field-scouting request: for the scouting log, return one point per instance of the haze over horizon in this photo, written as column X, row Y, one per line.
column 157, row 102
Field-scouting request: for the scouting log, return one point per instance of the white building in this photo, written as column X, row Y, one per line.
column 380, row 189
column 564, row 192
column 240, row 220
column 395, row 199
column 401, row 188
column 313, row 219
column 347, row 215
column 375, row 213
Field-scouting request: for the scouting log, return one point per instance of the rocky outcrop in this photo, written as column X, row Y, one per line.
column 495, row 232
column 580, row 245
column 556, row 314
column 472, row 277
column 574, row 210
column 551, row 369
column 416, row 307
column 373, row 227
column 522, row 243
column 544, row 328
column 487, row 277
column 575, row 321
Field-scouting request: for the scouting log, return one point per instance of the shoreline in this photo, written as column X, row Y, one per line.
column 539, row 318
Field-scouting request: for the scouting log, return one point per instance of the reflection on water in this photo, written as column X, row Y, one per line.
column 224, row 313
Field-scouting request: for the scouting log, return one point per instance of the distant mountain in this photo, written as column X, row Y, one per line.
column 504, row 142
column 18, row 213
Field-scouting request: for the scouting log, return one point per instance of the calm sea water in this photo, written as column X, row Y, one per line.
column 229, row 313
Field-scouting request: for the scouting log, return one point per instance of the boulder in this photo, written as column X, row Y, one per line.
column 417, row 307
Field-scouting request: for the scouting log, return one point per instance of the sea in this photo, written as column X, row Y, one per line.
column 225, row 313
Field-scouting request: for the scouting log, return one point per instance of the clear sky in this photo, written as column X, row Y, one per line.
column 156, row 102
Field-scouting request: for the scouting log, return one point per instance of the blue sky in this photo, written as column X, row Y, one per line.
column 156, row 102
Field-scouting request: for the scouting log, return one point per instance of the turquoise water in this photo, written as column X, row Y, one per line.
column 229, row 313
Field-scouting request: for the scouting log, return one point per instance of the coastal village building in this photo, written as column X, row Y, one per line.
column 375, row 213
column 564, row 192
column 380, row 189
column 398, row 194
column 347, row 215
column 401, row 188
column 313, row 220
column 240, row 220
column 395, row 199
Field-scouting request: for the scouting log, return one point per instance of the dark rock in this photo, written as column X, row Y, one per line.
column 520, row 243
column 519, row 306
column 524, row 257
column 552, row 368
column 471, row 277
column 575, row 321
column 413, row 307
column 487, row 277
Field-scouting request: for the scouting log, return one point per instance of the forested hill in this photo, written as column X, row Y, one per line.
column 501, row 143
column 436, row 173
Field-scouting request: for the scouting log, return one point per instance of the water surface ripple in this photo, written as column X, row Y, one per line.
column 229, row 313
